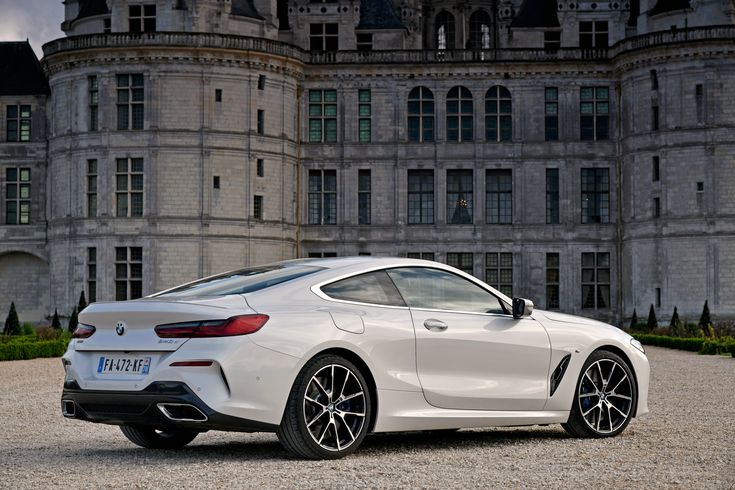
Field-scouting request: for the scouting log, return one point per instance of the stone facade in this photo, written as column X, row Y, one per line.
column 224, row 137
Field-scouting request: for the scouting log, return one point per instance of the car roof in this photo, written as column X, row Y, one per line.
column 369, row 261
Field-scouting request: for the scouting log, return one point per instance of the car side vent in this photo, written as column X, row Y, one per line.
column 558, row 373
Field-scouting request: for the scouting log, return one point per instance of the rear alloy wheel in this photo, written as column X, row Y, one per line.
column 328, row 410
column 151, row 438
column 605, row 397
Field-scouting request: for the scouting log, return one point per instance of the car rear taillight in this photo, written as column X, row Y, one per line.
column 83, row 331
column 236, row 325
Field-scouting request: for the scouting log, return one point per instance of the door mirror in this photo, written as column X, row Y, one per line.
column 522, row 307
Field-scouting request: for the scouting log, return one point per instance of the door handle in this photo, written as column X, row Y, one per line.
column 435, row 325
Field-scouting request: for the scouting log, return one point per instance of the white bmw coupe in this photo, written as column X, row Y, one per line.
column 325, row 351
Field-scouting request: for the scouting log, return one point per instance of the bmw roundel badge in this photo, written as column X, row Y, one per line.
column 120, row 328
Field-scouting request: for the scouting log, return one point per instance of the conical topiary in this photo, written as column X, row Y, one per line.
column 12, row 323
column 73, row 320
column 634, row 320
column 55, row 322
column 652, row 323
column 705, row 319
column 675, row 326
column 82, row 302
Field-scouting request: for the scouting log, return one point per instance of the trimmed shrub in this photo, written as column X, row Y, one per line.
column 705, row 320
column 48, row 333
column 14, row 351
column 55, row 322
column 12, row 323
column 73, row 320
column 652, row 323
column 703, row 346
column 634, row 321
column 82, row 302
column 28, row 329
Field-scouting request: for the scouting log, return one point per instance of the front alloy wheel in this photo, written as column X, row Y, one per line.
column 328, row 411
column 605, row 397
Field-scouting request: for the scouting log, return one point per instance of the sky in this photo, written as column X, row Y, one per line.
column 35, row 20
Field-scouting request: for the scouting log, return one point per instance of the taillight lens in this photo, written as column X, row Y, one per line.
column 236, row 325
column 83, row 331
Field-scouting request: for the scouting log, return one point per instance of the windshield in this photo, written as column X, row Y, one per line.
column 241, row 282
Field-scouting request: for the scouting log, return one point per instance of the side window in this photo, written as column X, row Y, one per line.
column 374, row 288
column 436, row 289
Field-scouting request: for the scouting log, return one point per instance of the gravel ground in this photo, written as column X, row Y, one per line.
column 686, row 442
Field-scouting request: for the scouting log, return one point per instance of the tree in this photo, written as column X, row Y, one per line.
column 634, row 320
column 73, row 320
column 675, row 325
column 705, row 320
column 652, row 323
column 82, row 302
column 55, row 322
column 12, row 323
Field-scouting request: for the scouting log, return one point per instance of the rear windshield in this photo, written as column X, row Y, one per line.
column 242, row 281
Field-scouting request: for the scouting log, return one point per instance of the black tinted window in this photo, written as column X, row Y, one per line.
column 423, row 287
column 242, row 281
column 374, row 288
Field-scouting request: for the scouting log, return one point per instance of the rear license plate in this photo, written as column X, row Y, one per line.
column 123, row 365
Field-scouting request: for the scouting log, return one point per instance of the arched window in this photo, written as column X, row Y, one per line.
column 480, row 30
column 459, row 114
column 420, row 115
column 498, row 114
column 444, row 27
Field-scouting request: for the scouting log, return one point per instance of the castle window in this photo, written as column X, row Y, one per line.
column 654, row 117
column 595, row 195
column 261, row 82
column 94, row 101
column 656, row 207
column 128, row 273
column 17, row 196
column 498, row 114
column 142, row 18
column 594, row 113
column 420, row 115
column 92, row 274
column 365, row 111
column 444, row 28
column 552, row 41
column 322, row 197
column 129, row 187
column 92, row 188
column 551, row 110
column 260, row 167
column 364, row 197
column 656, row 168
column 480, row 30
column 499, row 197
column 654, row 80
column 459, row 197
column 420, row 197
column 364, row 41
column 552, row 196
column 322, row 116
column 420, row 255
column 459, row 114
column 552, row 281
column 130, row 101
column 596, row 280
column 593, row 34
column 499, row 271
column 18, row 123
column 258, row 207
column 324, row 37
column 261, row 121
column 462, row 261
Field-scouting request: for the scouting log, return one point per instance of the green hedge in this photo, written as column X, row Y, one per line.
column 14, row 351
column 701, row 345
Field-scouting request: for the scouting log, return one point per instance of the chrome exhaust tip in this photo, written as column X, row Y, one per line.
column 182, row 412
column 68, row 408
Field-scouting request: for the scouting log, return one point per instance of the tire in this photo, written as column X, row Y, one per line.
column 597, row 409
column 328, row 410
column 151, row 438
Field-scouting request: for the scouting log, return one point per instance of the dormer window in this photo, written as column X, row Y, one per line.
column 142, row 18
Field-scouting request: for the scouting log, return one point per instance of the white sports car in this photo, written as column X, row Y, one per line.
column 325, row 351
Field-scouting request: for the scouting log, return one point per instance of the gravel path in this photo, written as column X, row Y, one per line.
column 686, row 442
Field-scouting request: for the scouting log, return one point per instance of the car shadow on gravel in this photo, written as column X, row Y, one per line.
column 393, row 443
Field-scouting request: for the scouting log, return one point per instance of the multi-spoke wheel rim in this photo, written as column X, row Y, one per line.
column 334, row 407
column 605, row 396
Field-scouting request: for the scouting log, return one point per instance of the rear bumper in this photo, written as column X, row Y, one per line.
column 142, row 408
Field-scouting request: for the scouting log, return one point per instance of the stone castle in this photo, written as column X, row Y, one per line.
column 577, row 153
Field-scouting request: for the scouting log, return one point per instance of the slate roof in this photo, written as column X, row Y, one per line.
column 90, row 8
column 663, row 6
column 536, row 13
column 245, row 8
column 20, row 70
column 378, row 14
